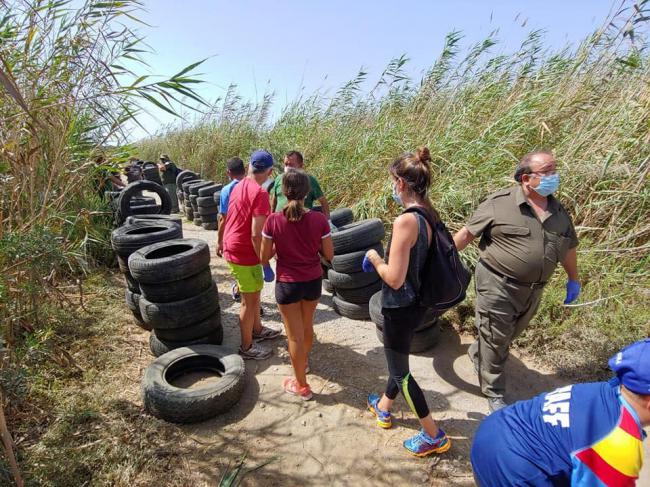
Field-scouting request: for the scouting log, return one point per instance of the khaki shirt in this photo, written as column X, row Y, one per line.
column 515, row 242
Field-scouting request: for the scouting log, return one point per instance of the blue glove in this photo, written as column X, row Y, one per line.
column 366, row 265
column 572, row 291
column 268, row 273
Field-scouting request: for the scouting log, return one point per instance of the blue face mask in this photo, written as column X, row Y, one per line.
column 548, row 185
column 396, row 197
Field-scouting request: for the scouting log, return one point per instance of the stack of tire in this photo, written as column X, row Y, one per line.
column 426, row 335
column 207, row 204
column 131, row 237
column 189, row 208
column 179, row 300
column 183, row 177
column 131, row 202
column 150, row 172
column 193, row 190
column 353, row 288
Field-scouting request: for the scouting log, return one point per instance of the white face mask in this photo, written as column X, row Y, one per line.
column 286, row 168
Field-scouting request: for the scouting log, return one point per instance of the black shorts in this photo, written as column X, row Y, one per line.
column 294, row 292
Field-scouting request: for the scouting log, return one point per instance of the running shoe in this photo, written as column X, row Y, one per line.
column 255, row 352
column 384, row 419
column 234, row 292
column 422, row 444
column 266, row 334
column 291, row 386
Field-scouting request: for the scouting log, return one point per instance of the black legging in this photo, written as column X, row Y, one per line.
column 399, row 327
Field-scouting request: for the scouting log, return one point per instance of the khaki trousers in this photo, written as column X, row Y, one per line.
column 503, row 310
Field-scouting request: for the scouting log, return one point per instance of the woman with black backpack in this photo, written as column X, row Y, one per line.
column 401, row 276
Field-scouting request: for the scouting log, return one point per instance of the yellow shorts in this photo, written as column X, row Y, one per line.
column 249, row 277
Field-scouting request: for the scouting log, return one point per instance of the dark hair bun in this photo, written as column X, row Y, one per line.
column 423, row 154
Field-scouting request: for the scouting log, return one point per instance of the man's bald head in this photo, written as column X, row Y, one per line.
column 541, row 160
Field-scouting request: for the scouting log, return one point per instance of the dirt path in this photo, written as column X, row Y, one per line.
column 332, row 440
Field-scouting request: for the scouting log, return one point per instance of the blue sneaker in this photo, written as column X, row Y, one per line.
column 384, row 419
column 422, row 444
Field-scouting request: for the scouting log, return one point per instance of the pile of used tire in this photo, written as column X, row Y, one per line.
column 150, row 172
column 426, row 335
column 207, row 204
column 352, row 288
column 130, row 201
column 184, row 176
column 131, row 237
column 179, row 299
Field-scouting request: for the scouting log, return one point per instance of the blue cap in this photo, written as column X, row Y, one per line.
column 632, row 366
column 261, row 159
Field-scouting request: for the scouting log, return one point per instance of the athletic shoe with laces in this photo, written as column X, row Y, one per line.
column 255, row 352
column 422, row 444
column 234, row 292
column 291, row 386
column 266, row 333
column 384, row 418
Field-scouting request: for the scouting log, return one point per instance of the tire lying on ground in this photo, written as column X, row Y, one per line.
column 134, row 189
column 169, row 261
column 341, row 216
column 357, row 236
column 166, row 292
column 359, row 295
column 187, row 405
column 351, row 281
column 177, row 314
column 147, row 218
column 351, row 310
column 158, row 346
column 423, row 339
column 351, row 262
column 128, row 238
column 193, row 332
column 430, row 315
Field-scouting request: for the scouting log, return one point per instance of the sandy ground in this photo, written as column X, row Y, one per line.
column 333, row 439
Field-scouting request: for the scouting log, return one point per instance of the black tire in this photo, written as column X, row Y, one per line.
column 177, row 290
column 131, row 284
column 191, row 332
column 351, row 310
column 185, row 175
column 144, row 210
column 189, row 212
column 198, row 221
column 350, row 281
column 194, row 188
column 159, row 347
column 127, row 239
column 152, row 174
column 209, row 190
column 149, row 165
column 430, row 315
column 209, row 218
column 190, row 405
column 210, row 225
column 202, row 201
column 132, row 302
column 341, row 217
column 142, row 200
column 186, row 184
column 350, row 263
column 358, row 236
column 360, row 295
column 169, row 261
column 147, row 218
column 180, row 196
column 208, row 210
column 217, row 197
column 422, row 340
column 123, row 264
column 327, row 286
column 178, row 314
column 135, row 188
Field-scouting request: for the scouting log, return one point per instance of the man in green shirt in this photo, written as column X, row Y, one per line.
column 294, row 160
column 169, row 171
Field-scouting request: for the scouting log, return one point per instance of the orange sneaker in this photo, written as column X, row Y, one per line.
column 291, row 386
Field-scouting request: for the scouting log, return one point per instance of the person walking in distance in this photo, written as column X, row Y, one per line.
column 294, row 160
column 247, row 211
column 407, row 254
column 236, row 172
column 524, row 233
column 169, row 171
column 297, row 237
column 580, row 434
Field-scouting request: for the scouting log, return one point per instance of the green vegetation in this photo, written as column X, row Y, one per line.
column 478, row 113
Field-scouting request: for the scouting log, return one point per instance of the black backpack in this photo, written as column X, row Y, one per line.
column 444, row 277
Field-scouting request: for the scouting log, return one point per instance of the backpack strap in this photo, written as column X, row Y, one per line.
column 425, row 214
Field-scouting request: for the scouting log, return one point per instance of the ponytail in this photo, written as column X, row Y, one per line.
column 294, row 210
column 295, row 186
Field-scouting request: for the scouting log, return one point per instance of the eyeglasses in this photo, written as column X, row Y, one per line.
column 550, row 172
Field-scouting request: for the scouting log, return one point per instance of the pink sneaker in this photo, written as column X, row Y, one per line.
column 290, row 385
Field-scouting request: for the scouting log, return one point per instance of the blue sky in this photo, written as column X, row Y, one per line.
column 292, row 47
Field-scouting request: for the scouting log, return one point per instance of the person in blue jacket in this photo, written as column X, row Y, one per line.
column 580, row 435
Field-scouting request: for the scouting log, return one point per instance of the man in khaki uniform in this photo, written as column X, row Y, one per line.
column 524, row 233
